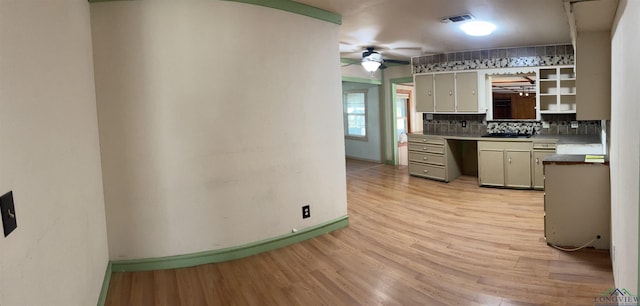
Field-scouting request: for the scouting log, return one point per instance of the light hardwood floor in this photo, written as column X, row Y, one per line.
column 410, row 241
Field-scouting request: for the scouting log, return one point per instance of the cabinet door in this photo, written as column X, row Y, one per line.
column 445, row 92
column 424, row 93
column 593, row 82
column 491, row 167
column 467, row 91
column 538, row 175
column 517, row 169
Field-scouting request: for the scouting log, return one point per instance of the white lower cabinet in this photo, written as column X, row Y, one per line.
column 500, row 163
column 540, row 151
column 431, row 157
column 491, row 167
column 427, row 157
column 504, row 164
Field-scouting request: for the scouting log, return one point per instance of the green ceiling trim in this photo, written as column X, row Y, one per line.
column 231, row 253
column 357, row 61
column 395, row 64
column 349, row 61
column 94, row 1
column 402, row 80
column 297, row 8
column 361, row 80
column 284, row 5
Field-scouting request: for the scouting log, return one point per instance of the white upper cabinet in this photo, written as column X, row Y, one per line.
column 445, row 87
column 557, row 89
column 447, row 92
column 467, row 91
column 593, row 68
column 423, row 86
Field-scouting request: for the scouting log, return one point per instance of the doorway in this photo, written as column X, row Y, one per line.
column 403, row 105
column 403, row 118
column 361, row 114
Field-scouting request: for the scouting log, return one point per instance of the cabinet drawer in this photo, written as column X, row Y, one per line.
column 544, row 146
column 429, row 158
column 426, row 139
column 428, row 148
column 425, row 170
column 504, row 145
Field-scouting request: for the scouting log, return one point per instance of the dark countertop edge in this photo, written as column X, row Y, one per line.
column 560, row 139
column 571, row 159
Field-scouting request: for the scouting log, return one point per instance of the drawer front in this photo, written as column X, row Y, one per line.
column 425, row 170
column 427, row 148
column 544, row 146
column 504, row 145
column 429, row 158
column 426, row 139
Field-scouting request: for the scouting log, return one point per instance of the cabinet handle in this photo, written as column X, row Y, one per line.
column 425, row 158
column 429, row 93
column 509, row 159
column 473, row 92
column 424, row 140
column 451, row 92
column 425, row 171
column 425, row 148
column 537, row 161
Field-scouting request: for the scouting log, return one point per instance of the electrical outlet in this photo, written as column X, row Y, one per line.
column 306, row 211
column 545, row 124
column 429, row 116
column 464, row 123
column 8, row 213
column 574, row 124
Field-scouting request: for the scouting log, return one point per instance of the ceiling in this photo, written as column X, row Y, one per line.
column 401, row 29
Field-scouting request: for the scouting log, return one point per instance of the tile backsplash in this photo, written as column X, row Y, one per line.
column 559, row 124
column 452, row 124
column 548, row 55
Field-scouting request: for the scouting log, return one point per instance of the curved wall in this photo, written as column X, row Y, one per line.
column 50, row 156
column 218, row 121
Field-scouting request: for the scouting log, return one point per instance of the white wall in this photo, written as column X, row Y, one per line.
column 371, row 148
column 213, row 132
column 49, row 156
column 625, row 144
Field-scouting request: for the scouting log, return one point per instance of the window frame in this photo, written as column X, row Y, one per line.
column 345, row 115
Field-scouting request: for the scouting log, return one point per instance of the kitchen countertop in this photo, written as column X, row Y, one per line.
column 560, row 139
column 570, row 159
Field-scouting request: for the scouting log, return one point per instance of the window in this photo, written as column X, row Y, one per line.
column 355, row 114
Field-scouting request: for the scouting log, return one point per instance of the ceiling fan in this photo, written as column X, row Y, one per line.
column 372, row 60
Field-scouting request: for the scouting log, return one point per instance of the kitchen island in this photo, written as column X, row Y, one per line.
column 577, row 201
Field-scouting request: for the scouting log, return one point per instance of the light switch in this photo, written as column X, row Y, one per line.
column 8, row 213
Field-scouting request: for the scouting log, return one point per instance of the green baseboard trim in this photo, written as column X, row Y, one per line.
column 105, row 286
column 226, row 254
column 361, row 80
column 297, row 8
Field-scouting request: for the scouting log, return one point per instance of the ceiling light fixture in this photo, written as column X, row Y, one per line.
column 477, row 28
column 371, row 62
